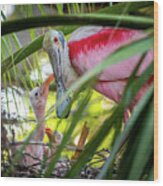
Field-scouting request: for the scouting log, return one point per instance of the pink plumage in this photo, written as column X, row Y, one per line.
column 89, row 46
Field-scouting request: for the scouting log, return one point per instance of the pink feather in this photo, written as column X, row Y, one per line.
column 95, row 45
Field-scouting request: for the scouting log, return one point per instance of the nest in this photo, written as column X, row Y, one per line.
column 62, row 167
column 12, row 168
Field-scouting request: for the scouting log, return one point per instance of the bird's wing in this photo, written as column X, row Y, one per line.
column 89, row 46
column 84, row 32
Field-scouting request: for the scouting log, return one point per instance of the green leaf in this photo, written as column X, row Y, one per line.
column 122, row 137
column 151, row 174
column 75, row 120
column 60, row 9
column 131, row 7
column 22, row 54
column 143, row 143
column 81, row 19
column 26, row 51
column 140, row 145
column 114, row 120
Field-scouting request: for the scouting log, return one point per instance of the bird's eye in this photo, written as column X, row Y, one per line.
column 55, row 39
column 36, row 94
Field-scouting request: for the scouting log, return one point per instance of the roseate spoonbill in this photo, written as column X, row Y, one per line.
column 55, row 136
column 38, row 99
column 55, row 139
column 87, row 47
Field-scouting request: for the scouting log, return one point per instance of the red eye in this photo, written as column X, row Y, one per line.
column 55, row 39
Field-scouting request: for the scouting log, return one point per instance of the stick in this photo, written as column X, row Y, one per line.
column 83, row 137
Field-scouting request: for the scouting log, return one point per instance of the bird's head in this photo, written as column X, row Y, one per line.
column 54, row 137
column 54, row 39
column 55, row 45
column 39, row 95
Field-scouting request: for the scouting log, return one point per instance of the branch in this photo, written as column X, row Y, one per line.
column 82, row 140
column 69, row 147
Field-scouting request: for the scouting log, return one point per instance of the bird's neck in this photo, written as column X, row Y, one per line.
column 69, row 73
column 40, row 129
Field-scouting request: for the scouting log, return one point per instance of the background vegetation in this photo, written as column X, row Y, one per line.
column 126, row 152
